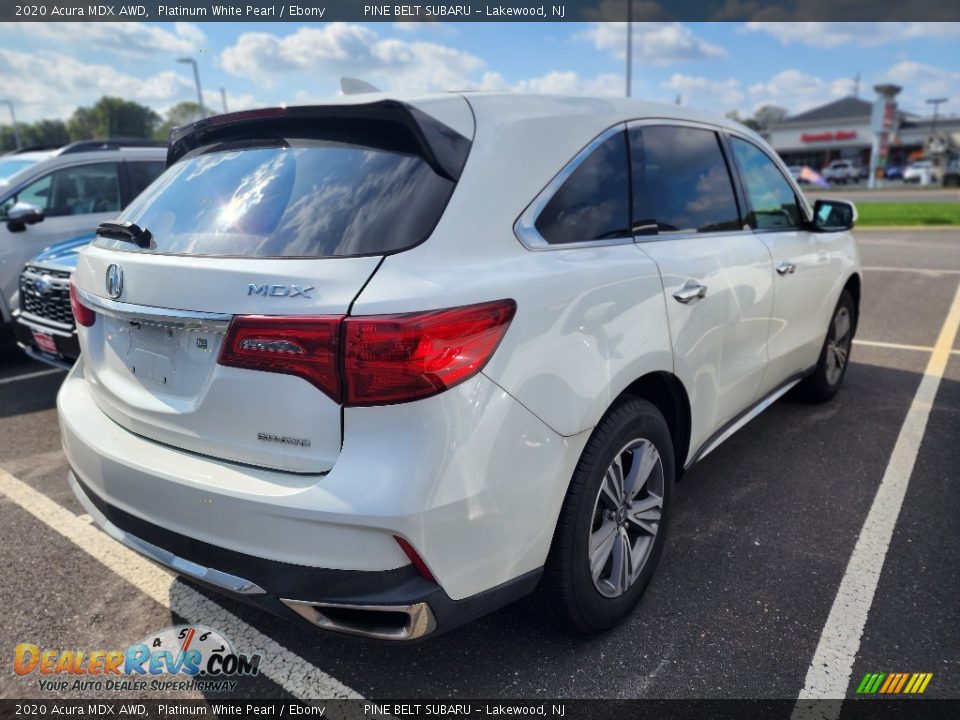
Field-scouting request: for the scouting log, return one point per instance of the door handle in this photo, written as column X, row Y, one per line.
column 691, row 291
column 786, row 268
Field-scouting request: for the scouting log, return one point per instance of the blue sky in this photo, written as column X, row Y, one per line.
column 50, row 69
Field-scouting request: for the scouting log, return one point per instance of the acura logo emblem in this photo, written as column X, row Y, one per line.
column 114, row 281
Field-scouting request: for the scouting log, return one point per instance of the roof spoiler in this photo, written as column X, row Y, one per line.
column 385, row 124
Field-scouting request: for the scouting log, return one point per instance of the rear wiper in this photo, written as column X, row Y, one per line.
column 127, row 231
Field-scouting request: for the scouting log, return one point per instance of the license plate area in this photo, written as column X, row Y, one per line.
column 45, row 343
column 164, row 358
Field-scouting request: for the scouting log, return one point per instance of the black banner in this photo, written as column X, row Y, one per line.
column 858, row 709
column 472, row 11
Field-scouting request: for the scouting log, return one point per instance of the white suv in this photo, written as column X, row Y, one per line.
column 388, row 364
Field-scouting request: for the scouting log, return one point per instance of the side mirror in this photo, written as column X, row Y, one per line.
column 21, row 215
column 834, row 215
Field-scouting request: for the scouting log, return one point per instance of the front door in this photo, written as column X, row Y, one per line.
column 802, row 275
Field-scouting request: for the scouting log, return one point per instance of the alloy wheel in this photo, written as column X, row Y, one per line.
column 626, row 517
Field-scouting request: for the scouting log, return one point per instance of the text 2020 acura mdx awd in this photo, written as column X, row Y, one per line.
column 385, row 365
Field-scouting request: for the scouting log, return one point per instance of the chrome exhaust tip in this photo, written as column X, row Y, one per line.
column 381, row 622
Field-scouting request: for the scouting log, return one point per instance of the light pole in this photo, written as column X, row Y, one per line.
column 196, row 78
column 223, row 99
column 13, row 118
column 629, row 46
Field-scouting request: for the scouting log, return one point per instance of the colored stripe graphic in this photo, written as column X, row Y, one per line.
column 894, row 683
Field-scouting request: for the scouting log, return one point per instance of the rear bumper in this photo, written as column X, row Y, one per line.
column 470, row 478
column 394, row 605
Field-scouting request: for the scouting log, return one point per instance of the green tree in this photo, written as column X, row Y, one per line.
column 183, row 113
column 113, row 117
column 42, row 132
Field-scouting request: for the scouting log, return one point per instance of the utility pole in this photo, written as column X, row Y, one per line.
column 196, row 79
column 856, row 85
column 223, row 99
column 936, row 102
column 13, row 119
column 629, row 48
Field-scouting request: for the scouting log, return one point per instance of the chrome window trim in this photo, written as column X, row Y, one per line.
column 167, row 317
column 525, row 228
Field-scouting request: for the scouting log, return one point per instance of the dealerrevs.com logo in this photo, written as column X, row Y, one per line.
column 186, row 657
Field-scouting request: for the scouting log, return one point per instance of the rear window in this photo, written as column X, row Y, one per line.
column 289, row 198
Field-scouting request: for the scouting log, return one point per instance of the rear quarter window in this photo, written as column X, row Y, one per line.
column 290, row 198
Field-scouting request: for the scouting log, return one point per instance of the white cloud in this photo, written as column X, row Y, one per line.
column 862, row 34
column 130, row 38
column 340, row 49
column 48, row 84
column 798, row 91
column 717, row 96
column 921, row 82
column 656, row 43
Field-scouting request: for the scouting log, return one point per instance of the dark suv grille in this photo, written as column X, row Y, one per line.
column 46, row 294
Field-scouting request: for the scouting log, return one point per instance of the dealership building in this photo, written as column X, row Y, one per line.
column 842, row 130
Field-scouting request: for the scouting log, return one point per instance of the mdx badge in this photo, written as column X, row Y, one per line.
column 279, row 290
column 114, row 281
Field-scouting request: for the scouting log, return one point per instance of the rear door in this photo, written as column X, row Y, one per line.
column 271, row 230
column 802, row 274
column 716, row 275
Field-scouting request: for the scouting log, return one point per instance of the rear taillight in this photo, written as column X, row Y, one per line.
column 396, row 358
column 81, row 313
column 382, row 359
column 303, row 346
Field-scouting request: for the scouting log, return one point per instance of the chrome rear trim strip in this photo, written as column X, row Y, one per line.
column 166, row 317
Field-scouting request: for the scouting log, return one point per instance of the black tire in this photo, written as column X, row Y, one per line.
column 568, row 588
column 824, row 382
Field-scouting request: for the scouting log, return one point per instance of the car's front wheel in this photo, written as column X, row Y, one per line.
column 613, row 523
column 831, row 368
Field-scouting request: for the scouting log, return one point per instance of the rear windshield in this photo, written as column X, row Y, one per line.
column 290, row 198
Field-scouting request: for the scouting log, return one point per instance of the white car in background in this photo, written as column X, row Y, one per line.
column 47, row 196
column 390, row 363
column 842, row 172
column 920, row 171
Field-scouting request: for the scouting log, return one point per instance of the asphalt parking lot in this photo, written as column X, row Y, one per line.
column 763, row 533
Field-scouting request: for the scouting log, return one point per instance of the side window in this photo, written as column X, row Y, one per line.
column 774, row 205
column 75, row 191
column 592, row 204
column 680, row 181
column 141, row 174
column 36, row 193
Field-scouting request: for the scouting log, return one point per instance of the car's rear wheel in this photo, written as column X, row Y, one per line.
column 831, row 368
column 613, row 523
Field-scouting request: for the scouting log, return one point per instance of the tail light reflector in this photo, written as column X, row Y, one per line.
column 81, row 313
column 375, row 359
column 307, row 347
column 415, row 558
column 397, row 358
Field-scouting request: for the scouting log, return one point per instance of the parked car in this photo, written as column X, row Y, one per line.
column 920, row 171
column 893, row 172
column 951, row 175
column 460, row 353
column 44, row 323
column 47, row 196
column 841, row 171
